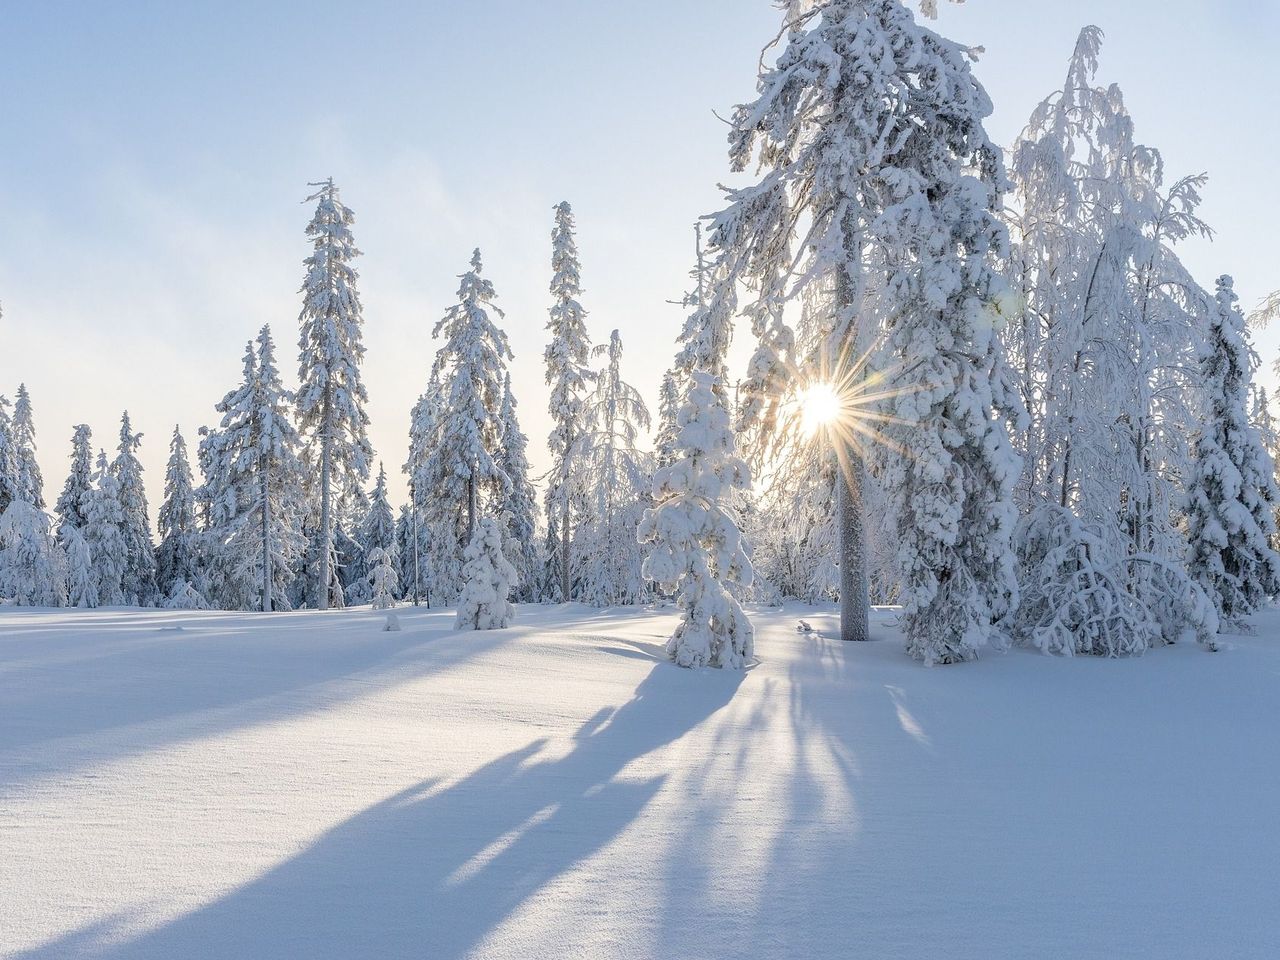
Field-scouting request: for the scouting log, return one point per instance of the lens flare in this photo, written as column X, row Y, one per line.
column 820, row 406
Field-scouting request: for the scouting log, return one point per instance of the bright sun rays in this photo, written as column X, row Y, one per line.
column 820, row 405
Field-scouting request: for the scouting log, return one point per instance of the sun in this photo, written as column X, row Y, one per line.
column 820, row 406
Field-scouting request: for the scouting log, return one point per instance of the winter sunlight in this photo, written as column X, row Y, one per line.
column 730, row 480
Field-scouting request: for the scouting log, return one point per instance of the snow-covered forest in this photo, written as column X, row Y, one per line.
column 894, row 573
column 981, row 386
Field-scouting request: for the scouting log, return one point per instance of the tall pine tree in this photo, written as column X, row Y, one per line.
column 176, row 557
column 568, row 358
column 331, row 397
column 139, row 580
column 70, row 507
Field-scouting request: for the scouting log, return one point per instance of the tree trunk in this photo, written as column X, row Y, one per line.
column 417, row 579
column 266, row 535
column 855, row 592
column 326, row 520
column 471, row 506
column 566, row 583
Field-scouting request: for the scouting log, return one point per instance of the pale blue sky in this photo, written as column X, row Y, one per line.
column 153, row 156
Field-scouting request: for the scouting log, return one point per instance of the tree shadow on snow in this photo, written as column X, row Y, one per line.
column 430, row 871
column 147, row 686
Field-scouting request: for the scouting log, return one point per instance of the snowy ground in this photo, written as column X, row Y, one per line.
column 184, row 786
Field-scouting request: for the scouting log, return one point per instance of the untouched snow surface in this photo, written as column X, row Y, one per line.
column 179, row 785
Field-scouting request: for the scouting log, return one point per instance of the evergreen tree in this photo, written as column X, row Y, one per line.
column 695, row 546
column 139, row 581
column 617, row 472
column 416, row 544
column 331, row 397
column 412, row 555
column 10, row 486
column 255, row 478
column 30, row 482
column 1232, row 495
column 664, row 448
column 104, row 534
column 487, row 578
column 460, row 475
column 383, row 583
column 378, row 540
column 82, row 586
column 71, row 504
column 520, row 508
column 176, row 557
column 870, row 129
column 569, row 375
column 32, row 569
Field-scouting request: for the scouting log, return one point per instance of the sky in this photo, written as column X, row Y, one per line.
column 154, row 156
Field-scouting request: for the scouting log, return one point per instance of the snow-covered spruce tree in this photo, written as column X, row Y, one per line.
column 378, row 539
column 32, row 568
column 870, row 132
column 9, row 485
column 383, row 584
column 104, row 533
column 459, row 476
column 487, row 578
column 139, row 581
column 177, row 556
column 418, row 547
column 82, row 585
column 70, row 507
column 617, row 473
column 664, row 445
column 569, row 375
column 255, row 481
column 694, row 545
column 331, row 397
column 30, row 482
column 520, row 507
column 1232, row 495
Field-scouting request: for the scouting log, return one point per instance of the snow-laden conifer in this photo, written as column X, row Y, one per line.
column 331, row 397
column 569, row 376
column 177, row 555
column 184, row 596
column 664, row 445
column 487, row 579
column 412, row 555
column 82, row 584
column 1232, row 495
column 383, row 583
column 139, row 581
column 869, row 129
column 32, row 568
column 9, row 483
column 615, row 481
column 70, row 507
column 104, row 534
column 30, row 482
column 255, row 476
column 378, row 539
column 459, row 475
column 520, row 505
column 694, row 545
